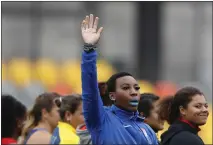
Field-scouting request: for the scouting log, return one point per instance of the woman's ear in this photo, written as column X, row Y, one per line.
column 141, row 114
column 182, row 111
column 112, row 96
column 44, row 113
column 68, row 116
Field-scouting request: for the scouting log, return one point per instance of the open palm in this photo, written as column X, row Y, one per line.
column 89, row 30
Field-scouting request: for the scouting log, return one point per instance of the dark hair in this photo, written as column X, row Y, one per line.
column 70, row 103
column 104, row 95
column 170, row 106
column 12, row 110
column 165, row 104
column 146, row 103
column 43, row 101
column 111, row 83
column 21, row 110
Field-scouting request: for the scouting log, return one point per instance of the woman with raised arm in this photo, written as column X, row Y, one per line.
column 120, row 123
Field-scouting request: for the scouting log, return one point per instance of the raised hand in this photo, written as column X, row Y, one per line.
column 89, row 30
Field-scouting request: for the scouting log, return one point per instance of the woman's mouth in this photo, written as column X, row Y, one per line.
column 134, row 103
column 203, row 115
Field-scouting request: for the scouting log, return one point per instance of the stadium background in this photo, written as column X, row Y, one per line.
column 166, row 45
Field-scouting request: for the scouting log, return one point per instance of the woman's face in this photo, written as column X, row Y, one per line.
column 196, row 111
column 127, row 94
column 153, row 119
column 53, row 117
column 77, row 117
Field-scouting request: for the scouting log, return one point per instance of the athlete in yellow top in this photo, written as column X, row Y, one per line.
column 71, row 117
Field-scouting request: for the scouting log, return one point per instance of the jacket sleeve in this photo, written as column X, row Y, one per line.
column 186, row 138
column 93, row 109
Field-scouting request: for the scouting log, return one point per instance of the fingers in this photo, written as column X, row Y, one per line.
column 95, row 26
column 100, row 30
column 83, row 27
column 91, row 21
column 87, row 22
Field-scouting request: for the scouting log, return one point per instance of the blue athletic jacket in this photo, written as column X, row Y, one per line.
column 109, row 125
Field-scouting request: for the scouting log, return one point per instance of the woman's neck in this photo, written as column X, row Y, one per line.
column 70, row 123
column 189, row 122
column 45, row 126
column 124, row 108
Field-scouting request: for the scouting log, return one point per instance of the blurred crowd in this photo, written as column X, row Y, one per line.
column 34, row 78
column 66, row 113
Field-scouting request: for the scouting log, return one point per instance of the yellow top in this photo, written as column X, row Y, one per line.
column 67, row 134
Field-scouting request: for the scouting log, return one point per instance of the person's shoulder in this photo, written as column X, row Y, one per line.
column 145, row 127
column 55, row 138
column 66, row 132
column 67, row 136
column 186, row 134
column 186, row 138
column 110, row 112
column 107, row 108
column 148, row 127
column 40, row 136
column 56, row 131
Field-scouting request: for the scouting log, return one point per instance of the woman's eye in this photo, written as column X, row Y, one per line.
column 137, row 88
column 198, row 107
column 125, row 88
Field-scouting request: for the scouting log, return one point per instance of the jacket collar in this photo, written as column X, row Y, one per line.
column 126, row 114
column 190, row 124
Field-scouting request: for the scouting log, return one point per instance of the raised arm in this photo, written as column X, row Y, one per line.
column 92, row 104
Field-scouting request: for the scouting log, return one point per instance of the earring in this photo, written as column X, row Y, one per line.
column 112, row 98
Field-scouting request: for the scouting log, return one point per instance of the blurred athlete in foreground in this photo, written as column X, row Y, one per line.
column 12, row 117
column 120, row 123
